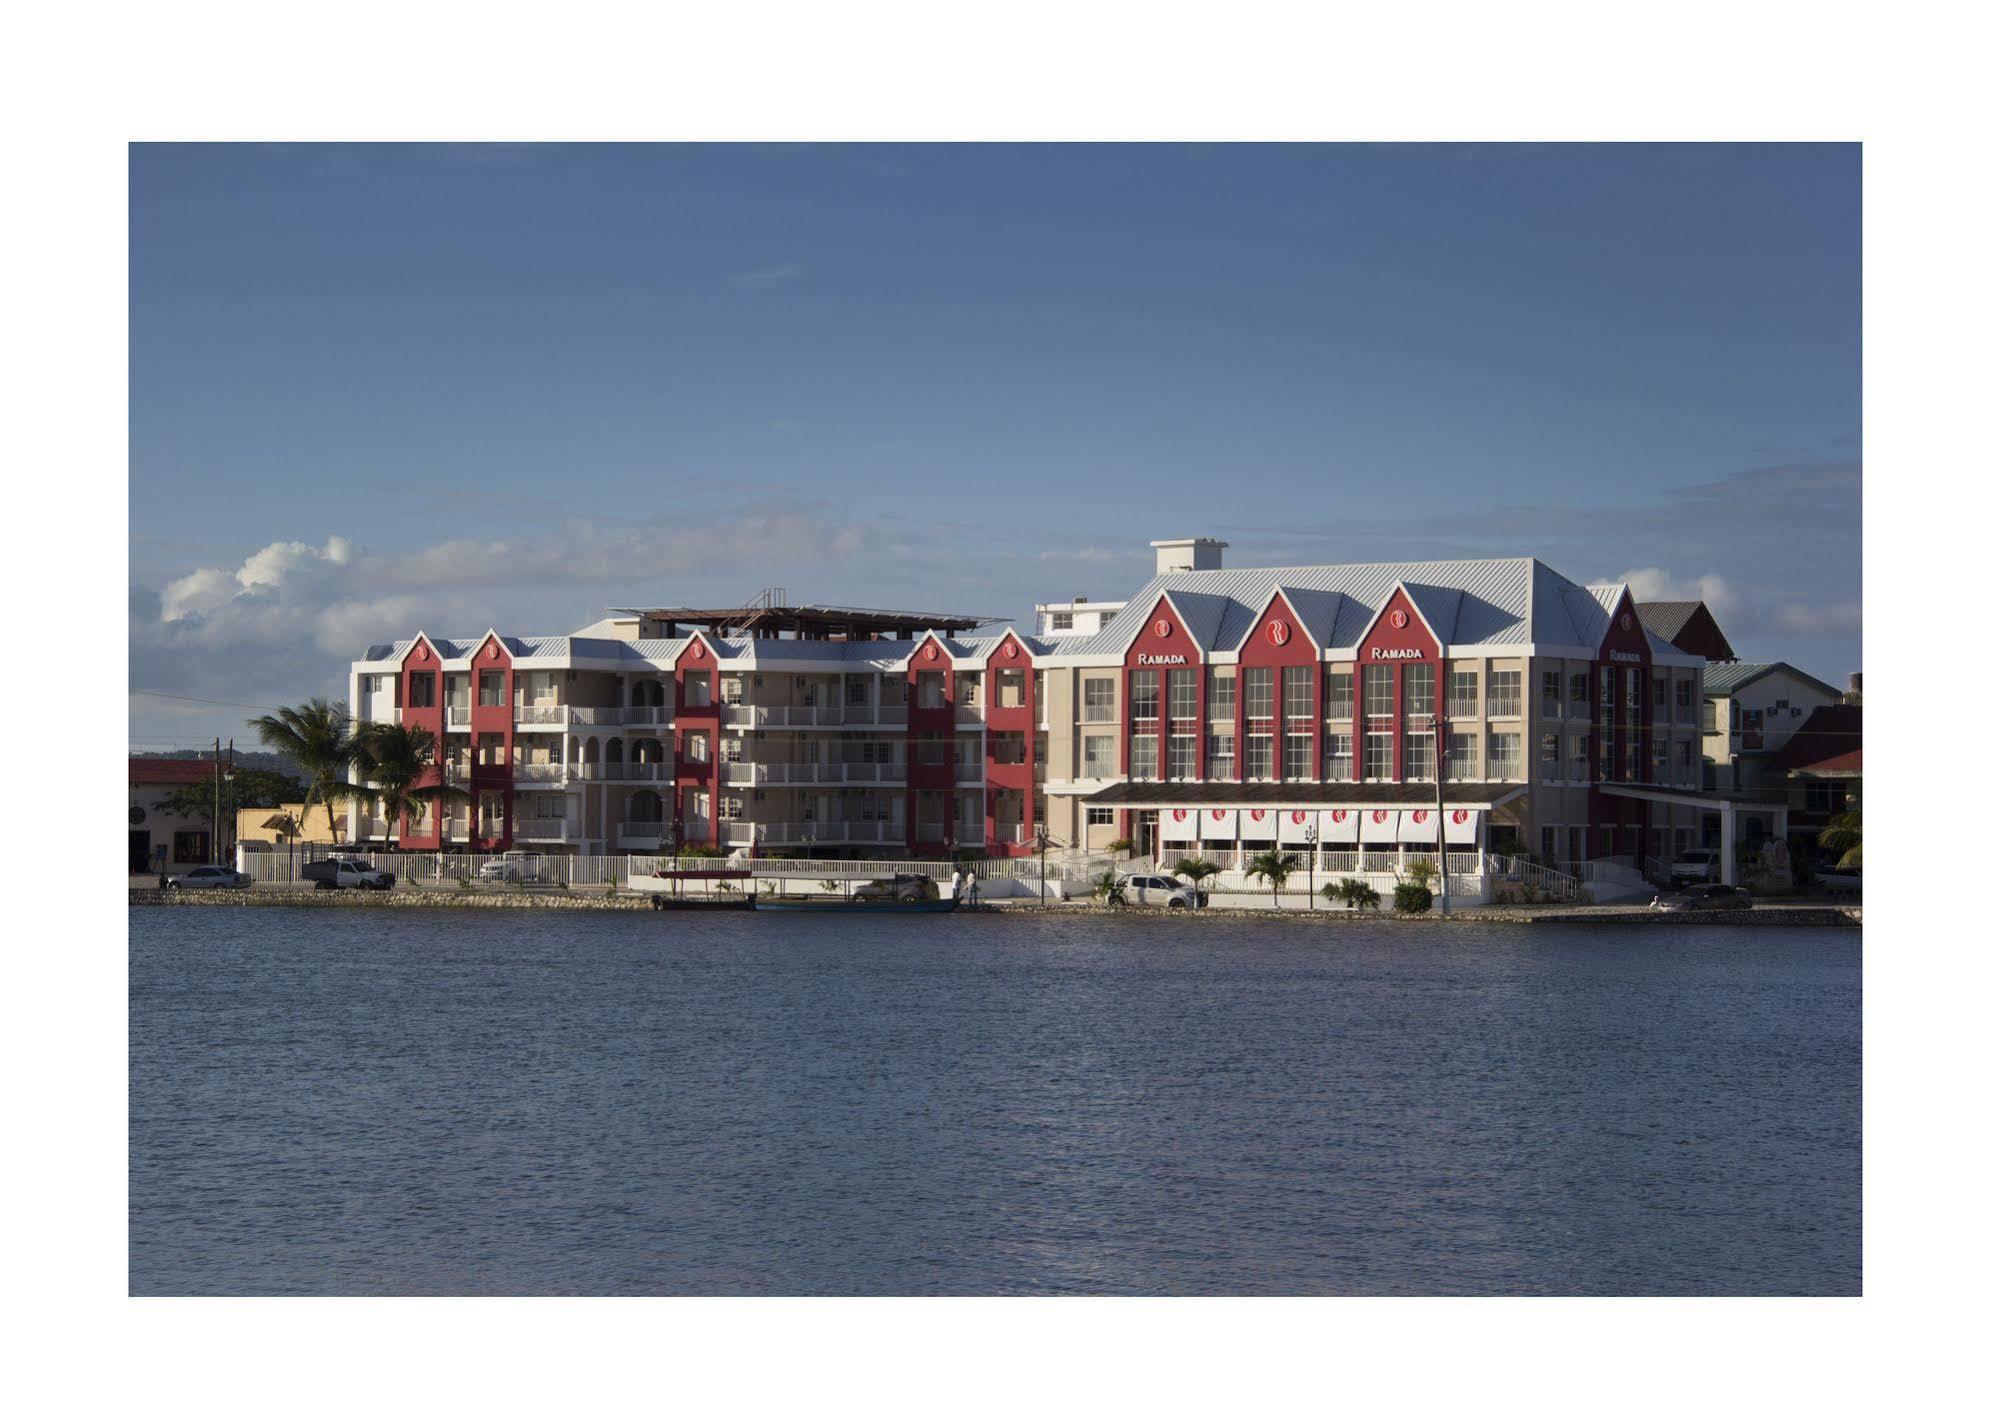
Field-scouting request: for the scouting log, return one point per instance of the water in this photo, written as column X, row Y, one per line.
column 357, row 1102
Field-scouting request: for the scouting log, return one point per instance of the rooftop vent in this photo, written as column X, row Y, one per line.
column 1191, row 553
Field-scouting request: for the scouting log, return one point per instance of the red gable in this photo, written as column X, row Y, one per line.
column 1162, row 640
column 168, row 771
column 1399, row 632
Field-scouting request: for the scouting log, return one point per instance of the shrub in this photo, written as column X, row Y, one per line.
column 1353, row 892
column 1421, row 871
column 1412, row 897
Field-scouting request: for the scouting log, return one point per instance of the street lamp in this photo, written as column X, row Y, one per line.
column 1312, row 866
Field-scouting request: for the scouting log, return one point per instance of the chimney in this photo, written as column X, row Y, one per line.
column 1853, row 688
column 1192, row 553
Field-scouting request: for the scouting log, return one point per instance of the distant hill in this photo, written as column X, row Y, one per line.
column 245, row 758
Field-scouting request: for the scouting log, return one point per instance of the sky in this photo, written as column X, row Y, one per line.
column 382, row 388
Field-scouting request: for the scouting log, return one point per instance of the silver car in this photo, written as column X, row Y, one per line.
column 209, row 876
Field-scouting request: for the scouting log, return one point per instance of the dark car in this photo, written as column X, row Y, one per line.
column 903, row 887
column 1703, row 897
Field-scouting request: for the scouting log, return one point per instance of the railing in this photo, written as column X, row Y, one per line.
column 642, row 832
column 808, row 716
column 968, row 714
column 930, row 832
column 623, row 716
column 626, row 773
column 1005, row 832
column 457, row 830
column 539, row 773
column 1579, row 770
column 1502, row 771
column 767, row 774
column 1551, row 770
column 1578, row 709
column 542, row 830
column 368, row 828
column 1533, row 875
column 973, row 835
column 1340, row 711
column 807, row 832
column 458, row 716
column 1500, row 707
column 1459, row 707
column 541, row 714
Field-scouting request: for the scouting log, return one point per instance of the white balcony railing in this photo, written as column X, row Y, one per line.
column 542, row 830
column 458, row 716
column 1501, row 707
column 820, row 832
column 614, row 716
column 457, row 830
column 539, row 773
column 768, row 774
column 661, row 772
column 372, row 828
column 540, row 715
column 648, row 835
column 1459, row 707
column 811, row 716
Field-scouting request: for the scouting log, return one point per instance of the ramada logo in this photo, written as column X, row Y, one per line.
column 1256, row 815
column 1219, row 812
column 1162, row 659
column 1280, row 633
column 1377, row 652
column 1179, row 815
column 1399, row 619
column 1461, row 815
column 1378, row 816
column 1419, row 816
column 1299, row 818
column 1339, row 815
column 1162, row 627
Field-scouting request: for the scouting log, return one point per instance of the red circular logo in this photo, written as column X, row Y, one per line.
column 1256, row 815
column 1339, row 815
column 1162, row 627
column 1279, row 632
column 1300, row 817
column 1420, row 816
column 931, row 653
column 1379, row 816
column 1179, row 815
column 1460, row 815
column 1626, row 620
column 1009, row 651
column 1217, row 812
column 1398, row 618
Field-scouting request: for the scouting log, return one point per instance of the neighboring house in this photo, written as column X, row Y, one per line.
column 1688, row 625
column 1821, row 764
column 156, row 840
column 289, row 823
column 1752, row 711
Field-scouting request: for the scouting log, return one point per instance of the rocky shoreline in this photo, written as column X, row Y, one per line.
column 419, row 899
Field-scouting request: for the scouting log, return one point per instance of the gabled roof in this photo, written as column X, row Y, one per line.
column 168, row 771
column 1727, row 677
column 1686, row 625
column 1827, row 742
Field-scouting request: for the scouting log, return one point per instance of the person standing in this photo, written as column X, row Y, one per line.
column 972, row 887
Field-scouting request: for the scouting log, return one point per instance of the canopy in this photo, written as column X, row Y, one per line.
column 1461, row 825
column 1339, row 825
column 1380, row 825
column 1179, row 825
column 1297, row 826
column 1218, row 823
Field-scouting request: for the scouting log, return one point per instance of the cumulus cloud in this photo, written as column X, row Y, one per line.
column 1652, row 583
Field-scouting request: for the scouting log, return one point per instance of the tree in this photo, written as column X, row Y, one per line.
column 1117, row 850
column 394, row 757
column 1196, row 870
column 1275, row 868
column 1841, row 837
column 1421, row 871
column 253, row 788
column 1353, row 892
column 319, row 739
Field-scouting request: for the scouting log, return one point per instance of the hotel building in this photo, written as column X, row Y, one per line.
column 1215, row 710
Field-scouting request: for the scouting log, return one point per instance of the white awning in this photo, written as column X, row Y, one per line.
column 1179, row 825
column 1296, row 826
column 1419, row 825
column 1259, row 824
column 1218, row 823
column 1339, row 825
column 1461, row 825
column 1380, row 825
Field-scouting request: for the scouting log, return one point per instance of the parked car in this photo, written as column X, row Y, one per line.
column 1840, row 880
column 1702, row 897
column 510, row 868
column 903, row 887
column 208, row 877
column 1695, row 865
column 346, row 873
column 1160, row 890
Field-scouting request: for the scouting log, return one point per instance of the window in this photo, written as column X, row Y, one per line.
column 1339, row 695
column 1683, row 699
column 1180, row 756
column 1298, row 756
column 1551, row 695
column 1256, row 694
column 1683, row 760
column 1378, row 687
column 1145, row 694
column 1634, row 753
column 1633, row 695
column 1256, row 756
column 1551, row 757
column 1339, row 757
column 191, row 844
column 1145, row 756
column 1659, row 758
column 1461, row 756
column 697, row 748
column 968, row 690
column 1659, row 696
column 1708, row 719
column 1099, row 756
column 1579, row 758
column 1419, row 755
column 1380, row 755
column 1502, row 756
column 1578, row 696
column 423, row 694
column 1298, row 682
column 930, row 750
column 1099, row 699
column 930, row 689
column 1221, row 694
column 1502, row 694
column 1606, row 688
column 1008, row 748
column 1099, row 817
column 1182, row 693
column 1419, row 691
column 697, row 687
column 1603, row 770
column 1221, row 756
column 1463, row 694
column 492, row 688
column 1012, row 689
column 1062, row 622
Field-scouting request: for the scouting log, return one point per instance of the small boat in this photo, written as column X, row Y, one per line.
column 746, row 903
column 808, row 904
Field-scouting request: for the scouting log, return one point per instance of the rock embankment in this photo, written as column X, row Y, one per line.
column 401, row 898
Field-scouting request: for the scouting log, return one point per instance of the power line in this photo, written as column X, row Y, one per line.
column 197, row 699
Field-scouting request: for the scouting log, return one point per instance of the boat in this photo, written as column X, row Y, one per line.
column 746, row 903
column 672, row 891
column 810, row 904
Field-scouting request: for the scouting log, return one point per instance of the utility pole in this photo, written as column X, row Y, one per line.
column 229, row 779
column 215, row 809
column 1443, row 858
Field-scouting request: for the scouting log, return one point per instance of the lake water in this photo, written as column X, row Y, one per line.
column 330, row 1101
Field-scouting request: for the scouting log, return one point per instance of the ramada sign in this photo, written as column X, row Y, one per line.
column 1162, row 659
column 1377, row 652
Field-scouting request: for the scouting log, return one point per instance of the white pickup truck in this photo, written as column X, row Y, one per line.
column 346, row 873
column 1695, row 865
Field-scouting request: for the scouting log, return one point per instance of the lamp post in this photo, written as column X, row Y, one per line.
column 1312, row 867
column 1041, row 845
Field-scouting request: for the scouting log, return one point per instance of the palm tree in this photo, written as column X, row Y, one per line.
column 1196, row 870
column 1117, row 850
column 1842, row 837
column 394, row 757
column 321, row 740
column 1275, row 867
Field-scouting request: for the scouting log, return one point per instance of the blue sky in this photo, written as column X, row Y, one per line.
column 376, row 388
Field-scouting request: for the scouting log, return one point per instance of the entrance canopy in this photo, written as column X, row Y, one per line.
column 1304, row 813
column 1287, row 796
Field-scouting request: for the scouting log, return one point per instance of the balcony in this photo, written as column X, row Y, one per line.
column 600, row 716
column 1578, row 770
column 644, row 836
column 1007, row 832
column 972, row 835
column 812, row 832
column 968, row 715
column 457, row 830
column 811, row 716
column 625, row 773
column 539, row 773
column 543, row 830
column 1460, row 706
column 1551, row 770
column 540, row 716
column 1502, row 707
column 1340, row 713
column 458, row 716
column 371, row 829
column 771, row 775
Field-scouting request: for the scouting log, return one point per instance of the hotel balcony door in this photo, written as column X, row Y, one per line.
column 1145, row 835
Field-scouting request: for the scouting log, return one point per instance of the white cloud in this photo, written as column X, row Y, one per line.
column 775, row 276
column 1841, row 617
column 1652, row 583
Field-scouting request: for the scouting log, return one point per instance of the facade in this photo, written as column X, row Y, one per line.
column 158, row 841
column 1687, row 625
column 1216, row 710
column 1820, row 766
